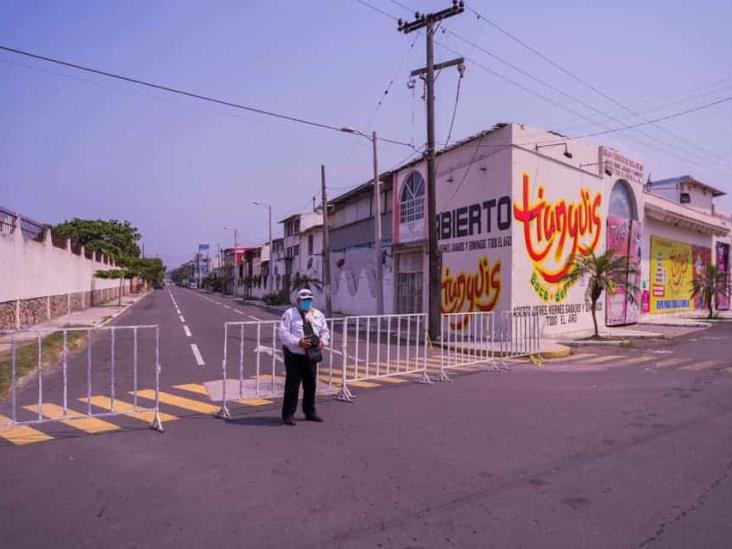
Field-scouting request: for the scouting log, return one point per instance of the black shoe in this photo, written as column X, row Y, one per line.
column 288, row 420
column 314, row 417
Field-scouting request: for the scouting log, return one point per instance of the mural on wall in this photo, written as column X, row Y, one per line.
column 674, row 266
column 722, row 262
column 556, row 222
column 468, row 292
column 623, row 237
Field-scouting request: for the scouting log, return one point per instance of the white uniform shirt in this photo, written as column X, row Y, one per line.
column 291, row 328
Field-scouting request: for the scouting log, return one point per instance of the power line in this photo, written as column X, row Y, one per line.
column 588, row 85
column 672, row 149
column 177, row 91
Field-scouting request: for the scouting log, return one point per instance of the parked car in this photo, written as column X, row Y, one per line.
column 192, row 286
column 158, row 285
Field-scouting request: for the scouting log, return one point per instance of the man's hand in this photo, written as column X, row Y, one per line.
column 321, row 345
column 304, row 343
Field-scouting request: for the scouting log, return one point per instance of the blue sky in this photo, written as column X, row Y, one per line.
column 75, row 145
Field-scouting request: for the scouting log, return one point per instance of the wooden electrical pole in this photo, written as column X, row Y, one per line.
column 326, row 248
column 428, row 22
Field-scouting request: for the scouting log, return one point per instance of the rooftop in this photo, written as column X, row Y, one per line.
column 672, row 181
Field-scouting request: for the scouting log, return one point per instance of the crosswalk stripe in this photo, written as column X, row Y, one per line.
column 632, row 361
column 392, row 380
column 192, row 388
column 179, row 402
column 671, row 362
column 573, row 358
column 128, row 409
column 21, row 435
column 703, row 365
column 602, row 359
column 90, row 425
column 255, row 401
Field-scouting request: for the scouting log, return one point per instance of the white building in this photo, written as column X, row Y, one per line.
column 515, row 205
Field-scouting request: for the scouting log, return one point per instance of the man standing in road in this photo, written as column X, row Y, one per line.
column 303, row 333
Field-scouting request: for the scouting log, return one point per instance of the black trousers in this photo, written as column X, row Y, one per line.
column 298, row 369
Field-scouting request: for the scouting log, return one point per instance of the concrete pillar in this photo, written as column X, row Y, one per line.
column 17, row 314
column 48, row 306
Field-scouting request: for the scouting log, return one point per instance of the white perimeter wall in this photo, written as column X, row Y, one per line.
column 30, row 269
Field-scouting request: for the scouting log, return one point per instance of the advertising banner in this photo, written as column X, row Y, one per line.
column 722, row 262
column 674, row 266
column 623, row 237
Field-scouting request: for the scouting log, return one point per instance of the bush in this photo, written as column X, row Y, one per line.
column 274, row 298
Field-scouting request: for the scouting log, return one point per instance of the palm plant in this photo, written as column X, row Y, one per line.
column 709, row 284
column 605, row 272
column 305, row 282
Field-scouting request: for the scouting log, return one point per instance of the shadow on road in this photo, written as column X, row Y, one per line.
column 256, row 421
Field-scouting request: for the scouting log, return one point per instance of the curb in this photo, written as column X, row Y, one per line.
column 126, row 308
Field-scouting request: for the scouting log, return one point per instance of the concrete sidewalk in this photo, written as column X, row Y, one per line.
column 93, row 317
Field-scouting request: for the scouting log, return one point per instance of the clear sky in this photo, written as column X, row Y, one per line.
column 75, row 145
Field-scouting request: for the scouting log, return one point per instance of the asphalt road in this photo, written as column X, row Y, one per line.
column 611, row 448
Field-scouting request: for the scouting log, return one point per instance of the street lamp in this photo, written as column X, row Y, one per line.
column 377, row 220
column 271, row 251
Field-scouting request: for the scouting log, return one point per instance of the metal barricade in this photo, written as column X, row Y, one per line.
column 361, row 349
column 380, row 347
column 518, row 334
column 84, row 364
column 467, row 339
column 260, row 365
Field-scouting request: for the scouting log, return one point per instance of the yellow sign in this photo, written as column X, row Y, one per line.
column 672, row 275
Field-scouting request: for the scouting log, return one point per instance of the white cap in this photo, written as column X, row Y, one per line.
column 304, row 294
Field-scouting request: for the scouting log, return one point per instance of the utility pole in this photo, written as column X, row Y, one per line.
column 377, row 236
column 326, row 248
column 428, row 22
column 270, row 272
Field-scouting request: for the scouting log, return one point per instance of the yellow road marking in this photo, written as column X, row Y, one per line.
column 392, row 380
column 90, row 425
column 255, row 401
column 671, row 362
column 631, row 361
column 128, row 409
column 179, row 402
column 703, row 365
column 602, row 359
column 362, row 384
column 572, row 358
column 192, row 388
column 21, row 434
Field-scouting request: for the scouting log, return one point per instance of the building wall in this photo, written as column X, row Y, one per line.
column 39, row 281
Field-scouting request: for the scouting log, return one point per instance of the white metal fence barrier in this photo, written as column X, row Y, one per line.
column 467, row 339
column 488, row 338
column 518, row 334
column 361, row 349
column 90, row 357
column 254, row 350
column 377, row 347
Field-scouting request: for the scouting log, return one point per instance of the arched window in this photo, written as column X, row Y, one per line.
column 411, row 198
column 622, row 201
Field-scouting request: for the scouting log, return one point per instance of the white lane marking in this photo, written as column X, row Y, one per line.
column 197, row 354
column 238, row 311
column 181, row 318
column 226, row 307
column 253, row 317
column 187, row 330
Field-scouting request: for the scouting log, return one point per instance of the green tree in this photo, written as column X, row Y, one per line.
column 117, row 240
column 709, row 285
column 605, row 272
